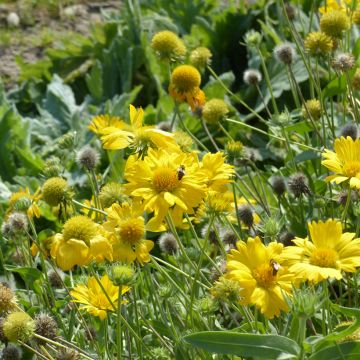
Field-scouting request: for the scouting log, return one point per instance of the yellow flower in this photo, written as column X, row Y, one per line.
column 258, row 270
column 318, row 43
column 165, row 181
column 326, row 255
column 128, row 227
column 345, row 161
column 24, row 194
column 333, row 5
column 92, row 296
column 101, row 122
column 137, row 136
column 168, row 45
column 80, row 242
column 334, row 23
column 185, row 86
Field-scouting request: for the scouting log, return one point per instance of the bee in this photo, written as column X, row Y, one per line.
column 275, row 266
column 181, row 172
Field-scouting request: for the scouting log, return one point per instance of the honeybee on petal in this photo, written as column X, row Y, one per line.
column 275, row 266
column 181, row 172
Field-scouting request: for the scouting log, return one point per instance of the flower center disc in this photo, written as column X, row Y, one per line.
column 352, row 168
column 263, row 275
column 165, row 179
column 324, row 258
column 132, row 231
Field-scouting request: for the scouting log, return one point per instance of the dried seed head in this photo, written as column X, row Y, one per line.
column 45, row 326
column 11, row 352
column 67, row 354
column 285, row 53
column 246, row 215
column 343, row 62
column 252, row 77
column 56, row 278
column 168, row 243
column 312, row 108
column 18, row 222
column 88, row 158
column 286, row 237
column 290, row 11
column 298, row 185
column 343, row 195
column 351, row 130
column 278, row 184
column 7, row 299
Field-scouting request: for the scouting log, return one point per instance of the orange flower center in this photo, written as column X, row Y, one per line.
column 352, row 168
column 132, row 230
column 165, row 179
column 324, row 257
column 264, row 275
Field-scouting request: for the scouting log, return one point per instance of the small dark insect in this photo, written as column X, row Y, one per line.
column 275, row 266
column 181, row 172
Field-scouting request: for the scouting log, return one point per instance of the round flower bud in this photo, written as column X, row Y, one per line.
column 67, row 354
column 253, row 39
column 246, row 215
column 168, row 243
column 18, row 326
column 351, row 130
column 226, row 290
column 356, row 16
column 54, row 191
column 112, row 193
column 168, row 45
column 52, row 168
column 252, row 77
column 333, row 23
column 356, row 80
column 271, row 227
column 318, row 43
column 18, row 222
column 214, row 111
column 45, row 326
column 278, row 184
column 11, row 352
column 285, row 53
column 312, row 108
column 67, row 141
column 319, row 203
column 286, row 237
column 205, row 306
column 88, row 158
column 200, row 57
column 7, row 299
column 122, row 274
column 343, row 62
column 185, row 78
column 298, row 185
column 184, row 141
column 234, row 149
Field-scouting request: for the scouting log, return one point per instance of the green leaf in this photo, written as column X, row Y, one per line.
column 306, row 155
column 231, row 343
column 214, row 89
column 335, row 87
column 94, row 81
column 348, row 350
column 31, row 276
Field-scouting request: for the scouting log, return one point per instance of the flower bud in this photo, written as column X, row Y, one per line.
column 18, row 326
column 54, row 191
column 214, row 111
column 122, row 274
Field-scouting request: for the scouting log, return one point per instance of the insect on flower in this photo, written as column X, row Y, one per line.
column 181, row 172
column 275, row 266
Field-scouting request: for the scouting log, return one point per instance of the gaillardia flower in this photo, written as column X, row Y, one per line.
column 128, row 226
column 101, row 122
column 165, row 181
column 80, row 242
column 258, row 270
column 93, row 299
column 344, row 162
column 136, row 136
column 318, row 43
column 329, row 252
column 185, row 86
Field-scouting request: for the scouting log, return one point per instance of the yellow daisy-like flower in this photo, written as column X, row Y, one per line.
column 24, row 194
column 185, row 86
column 217, row 171
column 101, row 122
column 344, row 162
column 326, row 255
column 92, row 296
column 258, row 270
column 165, row 181
column 332, row 5
column 80, row 242
column 126, row 223
column 136, row 136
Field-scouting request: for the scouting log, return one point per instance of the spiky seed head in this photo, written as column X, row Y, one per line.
column 351, row 130
column 246, row 215
column 88, row 158
column 299, row 185
column 318, row 43
column 45, row 326
column 334, row 23
column 18, row 222
column 67, row 354
column 343, row 62
column 7, row 299
column 11, row 352
column 18, row 326
column 285, row 53
column 54, row 191
column 278, row 184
